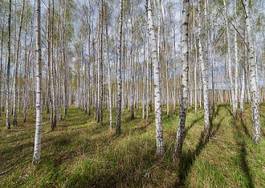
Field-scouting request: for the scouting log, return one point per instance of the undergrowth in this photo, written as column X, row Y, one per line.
column 81, row 153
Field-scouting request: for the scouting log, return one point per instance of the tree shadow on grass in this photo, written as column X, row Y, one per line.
column 188, row 158
column 192, row 124
column 229, row 110
column 141, row 128
column 216, row 112
column 246, row 131
column 239, row 137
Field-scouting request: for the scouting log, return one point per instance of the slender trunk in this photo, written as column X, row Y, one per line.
column 1, row 68
column 144, row 85
column 230, row 71
column 204, row 69
column 184, row 82
column 109, row 80
column 242, row 96
column 167, row 86
column 65, row 96
column 119, row 79
column 53, row 71
column 37, row 140
column 252, row 76
column 100, row 71
column 175, row 73
column 147, row 79
column 49, row 62
column 195, row 79
column 157, row 89
column 236, row 66
column 89, row 65
column 8, row 69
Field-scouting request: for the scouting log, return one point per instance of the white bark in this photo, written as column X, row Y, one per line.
column 147, row 79
column 119, row 79
column 236, row 67
column 184, row 80
column 242, row 96
column 230, row 71
column 157, row 91
column 109, row 81
column 1, row 68
column 37, row 140
column 235, row 105
column 195, row 80
column 204, row 71
column 252, row 76
column 8, row 69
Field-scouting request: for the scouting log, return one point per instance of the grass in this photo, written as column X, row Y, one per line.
column 80, row 153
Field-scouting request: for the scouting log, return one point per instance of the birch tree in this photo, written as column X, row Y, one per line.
column 8, row 68
column 157, row 90
column 184, row 79
column 230, row 71
column 119, row 78
column 236, row 67
column 1, row 66
column 109, row 77
column 37, row 139
column 252, row 74
column 204, row 64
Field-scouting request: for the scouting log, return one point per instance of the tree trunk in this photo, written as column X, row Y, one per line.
column 119, row 79
column 100, row 71
column 65, row 80
column 252, row 76
column 109, row 80
column 230, row 71
column 184, row 82
column 157, row 90
column 37, row 140
column 1, row 68
column 53, row 71
column 204, row 68
column 236, row 66
column 8, row 69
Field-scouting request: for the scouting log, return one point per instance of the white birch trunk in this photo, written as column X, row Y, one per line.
column 236, row 72
column 157, row 91
column 230, row 71
column 1, row 68
column 242, row 96
column 119, row 79
column 236, row 66
column 37, row 140
column 195, row 80
column 109, row 81
column 8, row 69
column 204, row 67
column 184, row 80
column 252, row 76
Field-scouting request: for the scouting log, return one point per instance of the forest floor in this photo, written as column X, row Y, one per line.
column 80, row 153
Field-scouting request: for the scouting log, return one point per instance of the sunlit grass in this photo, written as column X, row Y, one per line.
column 81, row 153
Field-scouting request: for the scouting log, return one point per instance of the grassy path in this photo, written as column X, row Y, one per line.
column 80, row 153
